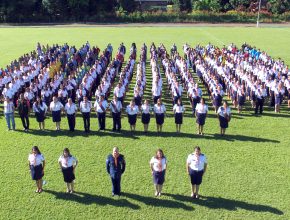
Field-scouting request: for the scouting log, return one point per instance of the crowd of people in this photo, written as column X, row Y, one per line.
column 196, row 165
column 61, row 79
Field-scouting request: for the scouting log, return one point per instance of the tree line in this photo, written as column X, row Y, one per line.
column 19, row 11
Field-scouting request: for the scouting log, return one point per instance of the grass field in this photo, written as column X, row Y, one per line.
column 249, row 170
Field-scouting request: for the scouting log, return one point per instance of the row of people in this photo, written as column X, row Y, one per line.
column 196, row 166
column 56, row 108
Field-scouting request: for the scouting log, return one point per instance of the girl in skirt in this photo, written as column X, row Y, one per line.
column 56, row 107
column 36, row 164
column 145, row 108
column 158, row 165
column 68, row 164
column 40, row 108
column 224, row 114
column 178, row 111
column 159, row 110
column 132, row 111
column 201, row 113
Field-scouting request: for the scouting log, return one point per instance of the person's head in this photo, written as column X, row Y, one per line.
column 197, row 150
column 146, row 102
column 85, row 99
column 38, row 99
column 225, row 104
column 115, row 152
column 102, row 97
column 22, row 96
column 69, row 101
column 132, row 103
column 159, row 153
column 54, row 99
column 66, row 152
column 202, row 101
column 159, row 102
column 178, row 101
column 35, row 150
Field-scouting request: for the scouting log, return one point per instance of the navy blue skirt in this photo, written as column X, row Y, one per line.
column 56, row 116
column 241, row 100
column 138, row 100
column 178, row 118
column 159, row 177
column 195, row 177
column 36, row 172
column 217, row 102
column 159, row 118
column 68, row 174
column 40, row 116
column 145, row 118
column 132, row 119
column 223, row 122
column 200, row 119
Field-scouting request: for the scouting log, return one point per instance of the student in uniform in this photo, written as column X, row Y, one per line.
column 261, row 93
column 85, row 109
column 196, row 165
column 9, row 113
column 132, row 111
column 116, row 108
column 224, row 114
column 40, row 108
column 23, row 107
column 145, row 108
column 56, row 107
column 201, row 113
column 159, row 110
column 36, row 165
column 71, row 109
column 178, row 110
column 158, row 165
column 100, row 107
column 68, row 164
column 116, row 165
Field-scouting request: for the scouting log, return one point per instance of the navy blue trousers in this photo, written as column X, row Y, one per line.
column 116, row 185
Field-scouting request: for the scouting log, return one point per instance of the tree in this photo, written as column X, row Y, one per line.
column 127, row 5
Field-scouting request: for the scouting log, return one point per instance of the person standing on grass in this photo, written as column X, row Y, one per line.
column 158, row 165
column 56, row 107
column 132, row 111
column 178, row 110
column 224, row 114
column 9, row 113
column 68, row 164
column 145, row 108
column 116, row 108
column 196, row 165
column 201, row 111
column 71, row 110
column 116, row 165
column 100, row 107
column 159, row 110
column 23, row 107
column 85, row 108
column 40, row 108
column 36, row 163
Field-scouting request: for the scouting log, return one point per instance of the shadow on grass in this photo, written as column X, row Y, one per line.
column 227, row 204
column 158, row 202
column 137, row 134
column 88, row 199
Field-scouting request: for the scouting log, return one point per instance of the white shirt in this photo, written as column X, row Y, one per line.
column 132, row 111
column 70, row 109
column 118, row 106
column 55, row 106
column 145, row 109
column 159, row 109
column 85, row 107
column 178, row 108
column 67, row 161
column 35, row 160
column 196, row 162
column 8, row 107
column 201, row 108
column 38, row 108
column 222, row 111
column 158, row 165
column 98, row 106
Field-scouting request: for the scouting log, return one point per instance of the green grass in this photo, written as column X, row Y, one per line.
column 248, row 174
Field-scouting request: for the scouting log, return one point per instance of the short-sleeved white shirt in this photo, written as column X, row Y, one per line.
column 158, row 165
column 70, row 109
column 35, row 160
column 67, row 161
column 201, row 108
column 196, row 162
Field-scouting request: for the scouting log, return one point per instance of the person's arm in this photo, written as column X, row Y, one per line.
column 108, row 165
column 187, row 168
column 75, row 165
column 43, row 165
column 123, row 165
column 204, row 169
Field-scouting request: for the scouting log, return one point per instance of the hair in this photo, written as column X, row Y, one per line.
column 225, row 102
column 67, row 150
column 203, row 100
column 35, row 148
column 197, row 148
column 161, row 151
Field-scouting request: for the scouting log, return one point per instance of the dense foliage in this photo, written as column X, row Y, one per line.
column 19, row 11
